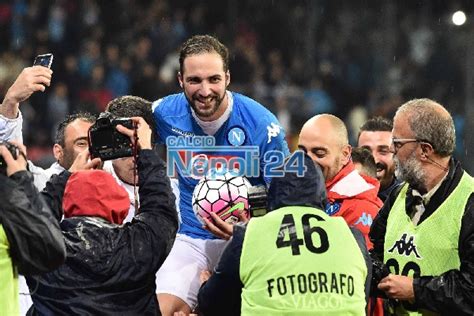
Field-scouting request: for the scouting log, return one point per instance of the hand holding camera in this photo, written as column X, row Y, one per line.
column 12, row 158
column 111, row 137
column 143, row 132
column 106, row 142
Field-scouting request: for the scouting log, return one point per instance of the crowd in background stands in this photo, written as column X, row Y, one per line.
column 352, row 61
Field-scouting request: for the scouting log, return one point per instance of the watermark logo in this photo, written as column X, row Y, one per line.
column 196, row 156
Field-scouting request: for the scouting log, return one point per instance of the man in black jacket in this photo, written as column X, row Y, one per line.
column 224, row 292
column 376, row 136
column 110, row 268
column 30, row 238
column 425, row 233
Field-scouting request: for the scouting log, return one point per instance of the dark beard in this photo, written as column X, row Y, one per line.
column 68, row 160
column 208, row 113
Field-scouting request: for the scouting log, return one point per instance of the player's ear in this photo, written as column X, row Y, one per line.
column 58, row 152
column 180, row 79
column 346, row 154
column 227, row 78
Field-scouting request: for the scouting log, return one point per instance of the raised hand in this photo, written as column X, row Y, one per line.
column 82, row 162
column 29, row 81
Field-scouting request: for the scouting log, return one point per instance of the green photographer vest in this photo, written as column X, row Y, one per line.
column 300, row 261
column 9, row 304
column 430, row 248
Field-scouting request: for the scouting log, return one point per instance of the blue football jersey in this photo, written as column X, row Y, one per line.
column 249, row 124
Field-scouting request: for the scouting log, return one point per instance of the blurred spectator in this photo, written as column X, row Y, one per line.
column 58, row 104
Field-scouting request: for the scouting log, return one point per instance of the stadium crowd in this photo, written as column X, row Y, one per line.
column 357, row 62
column 384, row 229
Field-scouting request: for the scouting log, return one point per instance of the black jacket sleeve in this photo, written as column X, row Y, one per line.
column 359, row 237
column 156, row 222
column 223, row 289
column 36, row 242
column 54, row 191
column 452, row 292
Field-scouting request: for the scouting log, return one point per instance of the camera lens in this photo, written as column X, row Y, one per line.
column 102, row 122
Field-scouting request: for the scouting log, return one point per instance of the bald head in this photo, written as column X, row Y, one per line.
column 430, row 122
column 324, row 138
column 331, row 126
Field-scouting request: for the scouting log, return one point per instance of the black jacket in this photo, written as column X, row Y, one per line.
column 221, row 293
column 36, row 243
column 110, row 269
column 451, row 293
column 385, row 193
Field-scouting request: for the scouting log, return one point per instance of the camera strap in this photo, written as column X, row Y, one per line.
column 135, row 162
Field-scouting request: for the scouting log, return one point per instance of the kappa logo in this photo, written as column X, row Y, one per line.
column 405, row 247
column 273, row 131
column 365, row 219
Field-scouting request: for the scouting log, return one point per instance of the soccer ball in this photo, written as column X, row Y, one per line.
column 225, row 194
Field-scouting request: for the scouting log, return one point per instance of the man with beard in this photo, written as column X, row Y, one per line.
column 376, row 136
column 425, row 233
column 351, row 195
column 206, row 108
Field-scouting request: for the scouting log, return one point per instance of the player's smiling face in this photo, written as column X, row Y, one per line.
column 204, row 82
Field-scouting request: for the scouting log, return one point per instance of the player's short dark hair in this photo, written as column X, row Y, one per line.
column 364, row 157
column 199, row 44
column 376, row 124
column 129, row 106
column 59, row 138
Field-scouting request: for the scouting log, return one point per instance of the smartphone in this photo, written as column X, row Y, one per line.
column 44, row 60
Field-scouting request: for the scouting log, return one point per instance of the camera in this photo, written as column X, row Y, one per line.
column 13, row 150
column 105, row 142
column 257, row 196
column 44, row 60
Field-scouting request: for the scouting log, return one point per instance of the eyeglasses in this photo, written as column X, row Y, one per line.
column 398, row 143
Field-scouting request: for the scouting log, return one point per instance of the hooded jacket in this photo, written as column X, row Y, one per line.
column 110, row 268
column 354, row 197
column 30, row 238
column 222, row 291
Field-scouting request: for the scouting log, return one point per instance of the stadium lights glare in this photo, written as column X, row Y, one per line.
column 459, row 18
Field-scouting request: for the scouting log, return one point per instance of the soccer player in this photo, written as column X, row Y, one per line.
column 206, row 108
